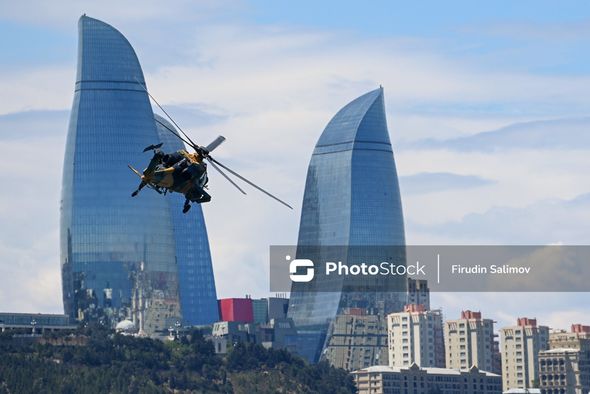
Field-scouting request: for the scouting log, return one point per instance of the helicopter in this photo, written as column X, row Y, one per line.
column 185, row 172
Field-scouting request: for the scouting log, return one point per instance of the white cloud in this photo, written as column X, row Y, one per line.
column 545, row 222
column 43, row 88
column 538, row 135
column 62, row 13
column 429, row 182
column 29, row 210
column 556, row 310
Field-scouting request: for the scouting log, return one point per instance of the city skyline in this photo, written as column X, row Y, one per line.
column 464, row 188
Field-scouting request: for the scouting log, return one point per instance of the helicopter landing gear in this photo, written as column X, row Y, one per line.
column 187, row 206
column 141, row 186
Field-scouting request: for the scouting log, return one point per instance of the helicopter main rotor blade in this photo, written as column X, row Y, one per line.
column 172, row 131
column 248, row 182
column 215, row 143
column 227, row 177
column 192, row 144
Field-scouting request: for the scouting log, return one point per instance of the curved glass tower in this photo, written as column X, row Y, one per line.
column 198, row 298
column 351, row 198
column 120, row 256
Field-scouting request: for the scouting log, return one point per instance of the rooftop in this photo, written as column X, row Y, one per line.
column 428, row 370
column 560, row 350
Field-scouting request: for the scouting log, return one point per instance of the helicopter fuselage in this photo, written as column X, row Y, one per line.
column 187, row 176
column 178, row 179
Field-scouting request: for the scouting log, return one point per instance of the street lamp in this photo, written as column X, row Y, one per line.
column 33, row 324
column 177, row 325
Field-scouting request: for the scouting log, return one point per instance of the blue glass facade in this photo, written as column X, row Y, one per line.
column 198, row 298
column 351, row 198
column 118, row 253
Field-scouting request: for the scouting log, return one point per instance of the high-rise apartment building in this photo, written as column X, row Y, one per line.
column 124, row 257
column 419, row 292
column 470, row 341
column 520, row 346
column 351, row 199
column 357, row 339
column 416, row 336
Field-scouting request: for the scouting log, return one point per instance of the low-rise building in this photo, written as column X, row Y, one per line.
column 577, row 338
column 227, row 333
column 416, row 380
column 277, row 307
column 565, row 367
column 260, row 310
column 564, row 371
column 274, row 333
column 236, row 310
column 270, row 335
column 36, row 323
column 266, row 309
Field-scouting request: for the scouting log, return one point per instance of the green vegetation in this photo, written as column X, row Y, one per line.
column 97, row 361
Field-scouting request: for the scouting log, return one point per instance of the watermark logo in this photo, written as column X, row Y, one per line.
column 298, row 264
column 384, row 269
column 446, row 268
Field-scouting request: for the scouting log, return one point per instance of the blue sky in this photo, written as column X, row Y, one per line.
column 551, row 40
column 487, row 106
column 429, row 18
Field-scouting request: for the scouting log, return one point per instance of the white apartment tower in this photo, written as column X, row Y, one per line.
column 470, row 341
column 520, row 347
column 415, row 336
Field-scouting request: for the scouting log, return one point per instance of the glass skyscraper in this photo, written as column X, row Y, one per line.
column 198, row 299
column 122, row 256
column 351, row 198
